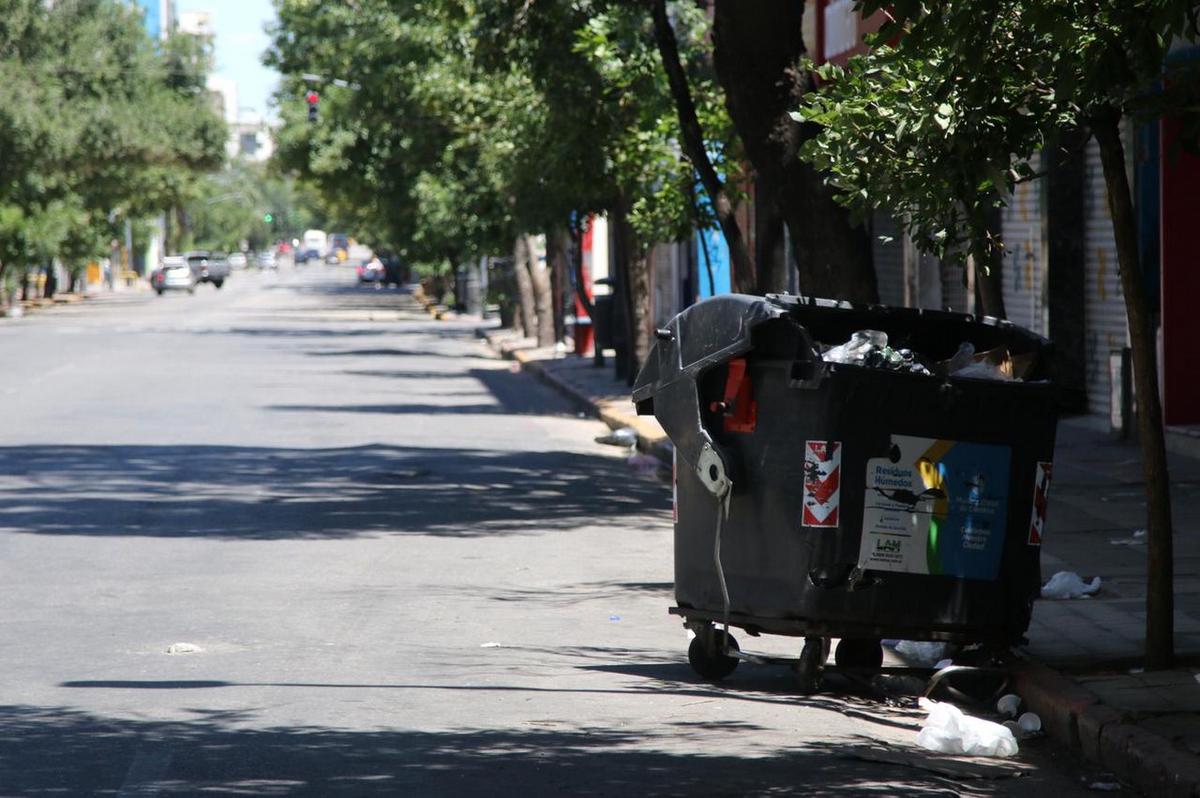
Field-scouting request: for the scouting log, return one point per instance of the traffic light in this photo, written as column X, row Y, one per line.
column 312, row 98
column 268, row 218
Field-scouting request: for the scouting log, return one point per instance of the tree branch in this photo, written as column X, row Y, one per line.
column 696, row 152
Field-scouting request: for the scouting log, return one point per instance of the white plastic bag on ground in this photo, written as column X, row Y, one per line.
column 948, row 730
column 622, row 436
column 1069, row 585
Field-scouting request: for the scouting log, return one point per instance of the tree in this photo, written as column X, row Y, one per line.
column 139, row 124
column 696, row 147
column 759, row 57
column 940, row 127
column 462, row 127
column 654, row 190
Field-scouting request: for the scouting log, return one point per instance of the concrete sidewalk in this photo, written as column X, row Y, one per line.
column 1080, row 669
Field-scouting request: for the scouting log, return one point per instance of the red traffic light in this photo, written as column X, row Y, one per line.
column 312, row 97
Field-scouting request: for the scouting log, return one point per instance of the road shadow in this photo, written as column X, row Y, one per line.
column 382, row 351
column 416, row 408
column 336, row 328
column 261, row 493
column 563, row 596
column 515, row 393
column 403, row 374
column 61, row 750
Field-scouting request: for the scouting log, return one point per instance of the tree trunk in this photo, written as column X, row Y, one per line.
column 556, row 245
column 769, row 254
column 51, row 285
column 988, row 262
column 696, row 151
column 1067, row 277
column 989, row 288
column 527, row 325
column 543, row 296
column 758, row 50
column 1160, row 600
column 639, row 309
column 182, row 229
column 633, row 296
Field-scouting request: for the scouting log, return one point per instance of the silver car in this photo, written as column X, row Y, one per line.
column 174, row 274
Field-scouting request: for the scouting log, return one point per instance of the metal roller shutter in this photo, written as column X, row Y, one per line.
column 889, row 259
column 1104, row 304
column 954, row 288
column 1024, row 270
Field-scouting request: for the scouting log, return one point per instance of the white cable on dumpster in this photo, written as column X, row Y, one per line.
column 722, row 514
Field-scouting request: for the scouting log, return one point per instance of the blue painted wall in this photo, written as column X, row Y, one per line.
column 712, row 243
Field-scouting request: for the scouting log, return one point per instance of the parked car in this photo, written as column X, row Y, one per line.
column 266, row 260
column 209, row 267
column 339, row 248
column 174, row 274
column 237, row 260
column 371, row 272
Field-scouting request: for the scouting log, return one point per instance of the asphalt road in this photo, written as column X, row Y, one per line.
column 294, row 537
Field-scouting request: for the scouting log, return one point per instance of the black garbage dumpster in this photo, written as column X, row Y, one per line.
column 823, row 499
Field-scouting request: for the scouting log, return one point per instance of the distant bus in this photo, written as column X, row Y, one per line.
column 315, row 240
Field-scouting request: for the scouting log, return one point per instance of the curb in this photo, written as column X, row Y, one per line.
column 650, row 439
column 439, row 312
column 28, row 306
column 1073, row 716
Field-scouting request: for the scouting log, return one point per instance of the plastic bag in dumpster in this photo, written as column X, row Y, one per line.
column 870, row 348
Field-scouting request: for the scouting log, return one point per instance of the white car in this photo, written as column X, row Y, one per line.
column 175, row 274
column 266, row 260
column 237, row 260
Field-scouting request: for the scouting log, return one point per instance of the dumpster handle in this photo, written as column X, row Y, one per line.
column 710, row 467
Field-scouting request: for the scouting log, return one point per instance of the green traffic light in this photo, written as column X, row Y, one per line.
column 267, row 218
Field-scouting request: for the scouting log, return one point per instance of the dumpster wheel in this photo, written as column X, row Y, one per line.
column 860, row 653
column 707, row 654
column 811, row 664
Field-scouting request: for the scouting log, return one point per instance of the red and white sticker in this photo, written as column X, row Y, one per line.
column 1041, row 490
column 822, row 483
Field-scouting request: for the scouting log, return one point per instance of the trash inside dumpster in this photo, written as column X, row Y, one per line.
column 851, row 472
